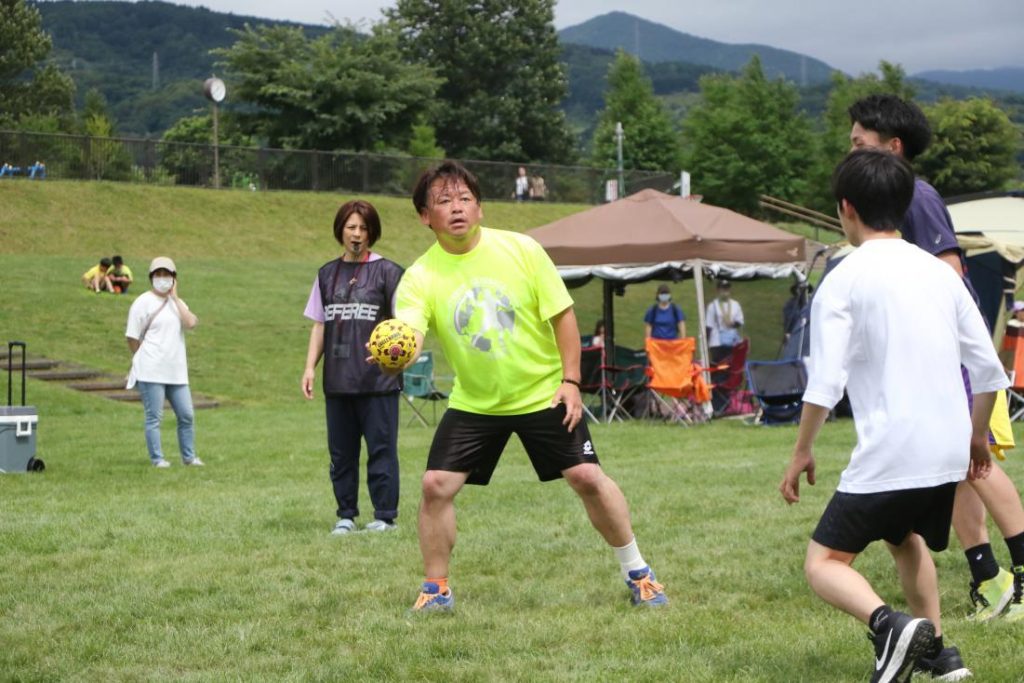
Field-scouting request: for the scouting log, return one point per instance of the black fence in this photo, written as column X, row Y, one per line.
column 158, row 162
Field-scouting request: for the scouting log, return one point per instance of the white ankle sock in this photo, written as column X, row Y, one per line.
column 629, row 558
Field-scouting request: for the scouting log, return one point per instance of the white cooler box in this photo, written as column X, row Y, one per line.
column 18, row 426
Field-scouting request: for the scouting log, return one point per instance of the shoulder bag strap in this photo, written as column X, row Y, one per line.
column 151, row 318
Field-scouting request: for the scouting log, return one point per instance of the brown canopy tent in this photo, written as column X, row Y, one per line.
column 651, row 235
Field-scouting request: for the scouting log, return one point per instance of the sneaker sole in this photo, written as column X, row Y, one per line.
column 958, row 675
column 914, row 641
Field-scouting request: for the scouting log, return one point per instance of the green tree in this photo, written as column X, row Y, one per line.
column 338, row 91
column 28, row 88
column 95, row 116
column 650, row 142
column 423, row 142
column 746, row 138
column 974, row 147
column 192, row 161
column 504, row 81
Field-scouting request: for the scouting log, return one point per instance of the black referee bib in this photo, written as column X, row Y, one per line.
column 355, row 297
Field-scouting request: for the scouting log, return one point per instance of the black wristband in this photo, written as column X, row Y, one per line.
column 566, row 380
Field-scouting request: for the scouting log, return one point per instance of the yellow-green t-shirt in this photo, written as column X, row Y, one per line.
column 94, row 271
column 491, row 309
column 124, row 271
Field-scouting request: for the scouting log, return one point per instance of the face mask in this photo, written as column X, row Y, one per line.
column 163, row 284
column 664, row 298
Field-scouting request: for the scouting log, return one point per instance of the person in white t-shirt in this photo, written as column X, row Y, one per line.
column 724, row 320
column 900, row 363
column 157, row 322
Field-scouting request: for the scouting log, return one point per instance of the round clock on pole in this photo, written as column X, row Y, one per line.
column 215, row 91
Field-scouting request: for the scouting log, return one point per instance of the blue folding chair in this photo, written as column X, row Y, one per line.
column 779, row 388
column 418, row 386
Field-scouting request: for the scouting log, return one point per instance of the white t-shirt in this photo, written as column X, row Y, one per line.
column 161, row 357
column 715, row 319
column 893, row 324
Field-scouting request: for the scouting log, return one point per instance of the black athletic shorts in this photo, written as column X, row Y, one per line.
column 853, row 520
column 468, row 442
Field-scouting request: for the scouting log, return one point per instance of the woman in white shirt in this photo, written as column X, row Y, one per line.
column 157, row 322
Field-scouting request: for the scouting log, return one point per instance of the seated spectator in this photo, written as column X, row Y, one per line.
column 120, row 275
column 664, row 320
column 97, row 278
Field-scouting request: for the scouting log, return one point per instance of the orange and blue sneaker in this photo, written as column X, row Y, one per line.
column 431, row 599
column 646, row 589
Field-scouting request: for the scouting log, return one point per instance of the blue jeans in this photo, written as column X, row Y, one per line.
column 153, row 395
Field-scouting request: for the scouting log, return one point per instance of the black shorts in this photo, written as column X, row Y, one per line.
column 853, row 520
column 468, row 442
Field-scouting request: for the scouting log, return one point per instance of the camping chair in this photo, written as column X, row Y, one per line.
column 418, row 385
column 626, row 378
column 728, row 394
column 592, row 379
column 676, row 386
column 778, row 387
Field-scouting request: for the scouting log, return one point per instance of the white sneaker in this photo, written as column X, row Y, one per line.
column 344, row 526
column 194, row 462
column 381, row 525
column 161, row 464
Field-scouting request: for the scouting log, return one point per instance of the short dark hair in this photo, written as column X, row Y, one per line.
column 105, row 262
column 892, row 117
column 663, row 289
column 449, row 170
column 364, row 209
column 878, row 184
column 118, row 261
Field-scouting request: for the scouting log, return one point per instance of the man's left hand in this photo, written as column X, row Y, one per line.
column 569, row 395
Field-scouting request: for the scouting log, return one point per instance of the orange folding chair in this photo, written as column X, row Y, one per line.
column 677, row 388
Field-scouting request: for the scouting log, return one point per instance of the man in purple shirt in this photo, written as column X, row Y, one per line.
column 890, row 123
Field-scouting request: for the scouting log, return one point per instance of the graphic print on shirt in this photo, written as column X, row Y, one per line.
column 484, row 316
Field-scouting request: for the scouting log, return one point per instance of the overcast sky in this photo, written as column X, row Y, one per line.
column 852, row 35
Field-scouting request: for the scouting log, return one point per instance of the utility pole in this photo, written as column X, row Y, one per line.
column 618, row 151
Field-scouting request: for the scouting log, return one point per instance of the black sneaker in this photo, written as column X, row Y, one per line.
column 946, row 666
column 899, row 643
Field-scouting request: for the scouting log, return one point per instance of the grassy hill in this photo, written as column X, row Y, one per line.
column 246, row 263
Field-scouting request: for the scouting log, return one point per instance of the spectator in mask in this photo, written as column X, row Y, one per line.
column 664, row 320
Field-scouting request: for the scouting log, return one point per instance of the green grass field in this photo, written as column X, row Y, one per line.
column 112, row 570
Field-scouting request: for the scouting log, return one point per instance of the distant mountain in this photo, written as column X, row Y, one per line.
column 658, row 43
column 1005, row 78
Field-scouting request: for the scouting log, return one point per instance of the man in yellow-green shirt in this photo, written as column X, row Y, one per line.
column 506, row 324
